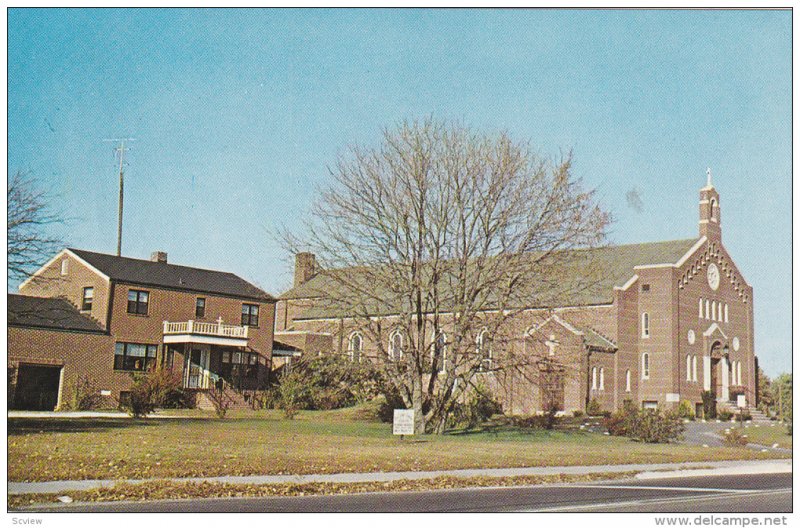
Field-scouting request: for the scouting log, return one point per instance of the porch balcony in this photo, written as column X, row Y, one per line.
column 217, row 333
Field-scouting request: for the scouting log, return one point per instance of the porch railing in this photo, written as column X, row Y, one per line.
column 212, row 329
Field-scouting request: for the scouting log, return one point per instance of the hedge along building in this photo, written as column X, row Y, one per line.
column 665, row 322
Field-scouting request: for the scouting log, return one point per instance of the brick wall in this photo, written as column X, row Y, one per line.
column 50, row 283
column 80, row 354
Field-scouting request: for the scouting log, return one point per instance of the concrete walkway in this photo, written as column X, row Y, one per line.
column 727, row 467
column 86, row 414
column 711, row 434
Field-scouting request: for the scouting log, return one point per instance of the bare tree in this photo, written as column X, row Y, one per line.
column 443, row 236
column 30, row 214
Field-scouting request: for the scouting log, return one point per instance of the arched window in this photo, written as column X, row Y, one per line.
column 396, row 346
column 602, row 379
column 739, row 373
column 354, row 346
column 645, row 366
column 439, row 353
column 700, row 309
column 714, row 311
column 483, row 346
column 645, row 324
column 594, row 378
column 688, row 367
column 713, row 209
column 726, row 313
column 627, row 380
column 64, row 266
column 707, row 307
column 719, row 316
column 694, row 368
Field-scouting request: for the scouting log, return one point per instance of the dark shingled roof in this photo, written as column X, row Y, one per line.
column 617, row 263
column 162, row 274
column 48, row 312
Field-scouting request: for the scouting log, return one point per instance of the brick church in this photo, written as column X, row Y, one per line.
column 670, row 320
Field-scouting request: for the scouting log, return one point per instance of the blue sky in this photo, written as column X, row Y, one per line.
column 238, row 114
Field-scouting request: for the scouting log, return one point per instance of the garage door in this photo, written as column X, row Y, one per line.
column 37, row 387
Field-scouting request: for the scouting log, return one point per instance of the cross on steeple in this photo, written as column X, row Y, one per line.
column 551, row 344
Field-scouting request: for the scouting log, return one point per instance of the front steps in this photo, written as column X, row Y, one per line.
column 234, row 399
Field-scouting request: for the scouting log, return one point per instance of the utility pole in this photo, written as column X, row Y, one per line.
column 120, row 150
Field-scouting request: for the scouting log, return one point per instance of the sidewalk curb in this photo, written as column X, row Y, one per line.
column 727, row 467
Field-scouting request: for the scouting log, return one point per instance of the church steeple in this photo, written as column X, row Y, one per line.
column 709, row 210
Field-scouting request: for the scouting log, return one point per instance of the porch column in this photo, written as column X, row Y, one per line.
column 725, row 379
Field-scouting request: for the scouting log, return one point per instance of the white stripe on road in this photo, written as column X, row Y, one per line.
column 680, row 500
column 663, row 488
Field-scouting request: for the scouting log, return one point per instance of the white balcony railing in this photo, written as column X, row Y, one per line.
column 201, row 328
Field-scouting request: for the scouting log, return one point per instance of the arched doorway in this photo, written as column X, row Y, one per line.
column 716, row 357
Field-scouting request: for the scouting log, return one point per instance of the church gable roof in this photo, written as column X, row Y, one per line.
column 617, row 263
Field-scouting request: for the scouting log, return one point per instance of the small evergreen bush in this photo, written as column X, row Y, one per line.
column 593, row 408
column 686, row 410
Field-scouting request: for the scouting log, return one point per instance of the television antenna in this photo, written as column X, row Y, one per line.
column 120, row 151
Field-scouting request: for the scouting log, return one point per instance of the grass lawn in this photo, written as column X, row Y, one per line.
column 768, row 435
column 263, row 442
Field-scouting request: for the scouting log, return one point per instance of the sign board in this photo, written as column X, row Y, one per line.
column 741, row 401
column 403, row 423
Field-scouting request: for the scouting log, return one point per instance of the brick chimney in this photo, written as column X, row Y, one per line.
column 305, row 267
column 159, row 256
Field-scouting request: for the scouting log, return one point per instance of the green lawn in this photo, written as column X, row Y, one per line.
column 768, row 435
column 250, row 443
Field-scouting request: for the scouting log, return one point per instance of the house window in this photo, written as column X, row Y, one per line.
column 440, row 353
column 645, row 325
column 64, row 267
column 726, row 313
column 602, row 378
column 354, row 346
column 484, row 350
column 645, row 366
column 200, row 307
column 88, row 297
column 694, row 368
column 688, row 367
column 396, row 346
column 700, row 309
column 739, row 373
column 133, row 356
column 627, row 380
column 707, row 307
column 594, row 378
column 714, row 310
column 138, row 301
column 239, row 366
column 249, row 315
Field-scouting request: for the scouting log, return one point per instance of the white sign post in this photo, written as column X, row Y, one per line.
column 741, row 403
column 403, row 423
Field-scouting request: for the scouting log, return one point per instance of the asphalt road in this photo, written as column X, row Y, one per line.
column 726, row 494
